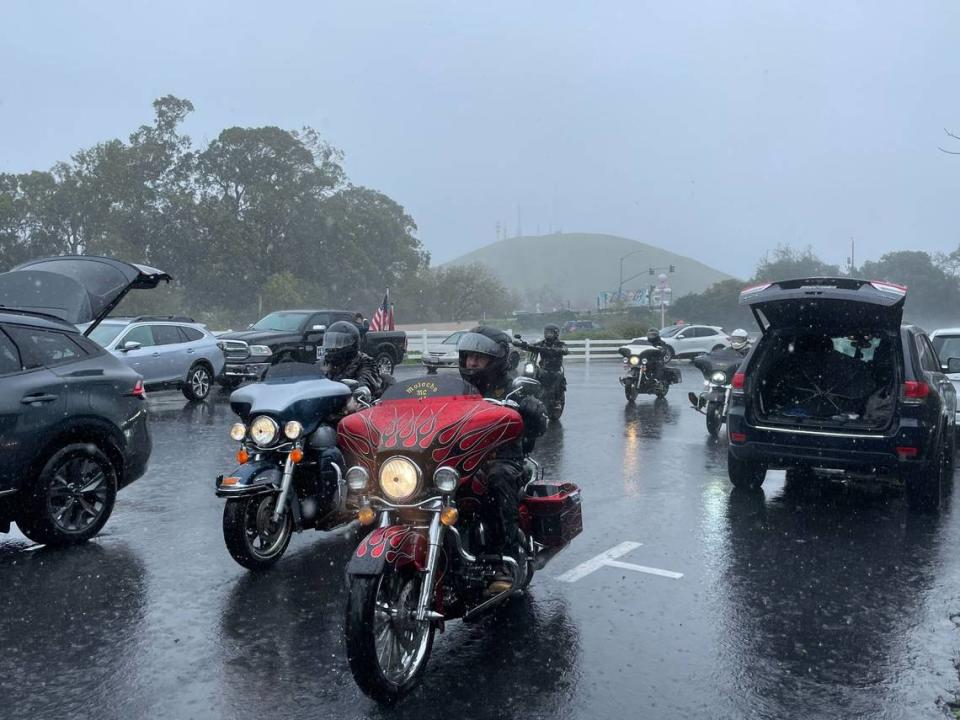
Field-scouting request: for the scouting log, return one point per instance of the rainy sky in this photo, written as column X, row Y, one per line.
column 715, row 129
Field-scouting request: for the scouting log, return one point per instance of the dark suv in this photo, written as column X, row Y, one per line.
column 837, row 386
column 73, row 418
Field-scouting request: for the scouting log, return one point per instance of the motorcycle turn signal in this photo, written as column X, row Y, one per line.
column 449, row 516
column 366, row 515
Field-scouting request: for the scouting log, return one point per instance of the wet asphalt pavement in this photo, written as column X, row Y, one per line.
column 801, row 602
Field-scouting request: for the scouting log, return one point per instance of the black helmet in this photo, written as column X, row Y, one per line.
column 488, row 341
column 551, row 332
column 341, row 343
column 653, row 335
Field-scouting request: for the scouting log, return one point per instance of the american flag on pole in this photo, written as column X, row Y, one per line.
column 383, row 317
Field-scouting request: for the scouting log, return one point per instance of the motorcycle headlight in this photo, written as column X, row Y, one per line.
column 446, row 479
column 260, row 351
column 357, row 478
column 264, row 431
column 238, row 431
column 719, row 378
column 399, row 478
column 293, row 430
column 529, row 369
column 634, row 360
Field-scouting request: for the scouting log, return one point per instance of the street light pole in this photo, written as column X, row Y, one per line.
column 620, row 285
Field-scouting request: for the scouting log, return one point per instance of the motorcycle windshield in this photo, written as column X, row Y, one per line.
column 309, row 400
column 455, row 430
column 726, row 361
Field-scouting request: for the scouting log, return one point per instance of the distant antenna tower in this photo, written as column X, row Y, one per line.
column 498, row 229
column 519, row 221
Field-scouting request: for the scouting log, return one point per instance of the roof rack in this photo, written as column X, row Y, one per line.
column 162, row 318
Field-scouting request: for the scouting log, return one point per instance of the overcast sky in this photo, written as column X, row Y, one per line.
column 713, row 129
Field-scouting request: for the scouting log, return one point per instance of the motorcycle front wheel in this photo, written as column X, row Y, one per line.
column 387, row 647
column 556, row 406
column 252, row 537
column 630, row 390
column 714, row 419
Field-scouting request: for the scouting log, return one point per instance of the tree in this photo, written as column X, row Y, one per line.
column 717, row 305
column 787, row 263
column 932, row 293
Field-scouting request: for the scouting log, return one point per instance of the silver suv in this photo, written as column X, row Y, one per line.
column 168, row 352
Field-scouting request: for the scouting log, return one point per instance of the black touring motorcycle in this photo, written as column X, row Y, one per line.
column 553, row 382
column 290, row 475
column 647, row 372
column 718, row 369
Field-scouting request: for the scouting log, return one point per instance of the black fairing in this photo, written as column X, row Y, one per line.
column 307, row 399
column 726, row 361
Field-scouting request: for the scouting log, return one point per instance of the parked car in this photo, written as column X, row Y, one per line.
column 297, row 336
column 947, row 344
column 687, row 341
column 835, row 385
column 443, row 354
column 580, row 325
column 73, row 418
column 168, row 352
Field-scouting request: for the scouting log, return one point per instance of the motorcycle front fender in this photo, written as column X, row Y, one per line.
column 396, row 546
column 715, row 394
column 250, row 479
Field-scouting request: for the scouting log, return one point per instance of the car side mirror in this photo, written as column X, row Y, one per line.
column 250, row 326
column 953, row 365
column 130, row 345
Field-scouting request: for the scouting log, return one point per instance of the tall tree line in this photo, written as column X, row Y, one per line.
column 260, row 218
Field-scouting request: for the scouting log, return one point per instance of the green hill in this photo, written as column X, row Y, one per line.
column 575, row 267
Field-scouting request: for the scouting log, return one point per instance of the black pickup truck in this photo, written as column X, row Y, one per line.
column 297, row 336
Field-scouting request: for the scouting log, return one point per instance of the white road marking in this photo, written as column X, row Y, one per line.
column 608, row 558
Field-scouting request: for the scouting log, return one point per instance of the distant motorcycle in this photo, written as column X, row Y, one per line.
column 553, row 383
column 718, row 369
column 648, row 373
column 290, row 475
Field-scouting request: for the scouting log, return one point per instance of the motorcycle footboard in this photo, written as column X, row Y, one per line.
column 551, row 513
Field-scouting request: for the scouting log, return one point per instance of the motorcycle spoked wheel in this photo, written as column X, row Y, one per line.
column 387, row 648
column 714, row 414
column 251, row 536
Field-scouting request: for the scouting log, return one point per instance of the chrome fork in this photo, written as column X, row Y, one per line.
column 285, row 484
column 433, row 553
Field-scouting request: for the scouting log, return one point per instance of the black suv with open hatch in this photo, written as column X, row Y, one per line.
column 837, row 386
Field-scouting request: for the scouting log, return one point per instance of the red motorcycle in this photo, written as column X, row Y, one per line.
column 418, row 471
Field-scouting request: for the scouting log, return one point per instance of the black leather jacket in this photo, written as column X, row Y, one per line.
column 363, row 369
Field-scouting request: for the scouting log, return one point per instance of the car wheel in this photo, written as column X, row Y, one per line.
column 72, row 498
column 385, row 363
column 745, row 474
column 431, row 371
column 923, row 486
column 198, row 384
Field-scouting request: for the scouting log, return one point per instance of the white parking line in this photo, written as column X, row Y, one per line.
column 608, row 558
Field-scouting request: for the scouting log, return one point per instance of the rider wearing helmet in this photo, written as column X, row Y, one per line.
column 343, row 360
column 653, row 337
column 740, row 341
column 551, row 349
column 485, row 363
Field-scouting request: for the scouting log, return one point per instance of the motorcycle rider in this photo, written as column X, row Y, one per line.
column 343, row 360
column 551, row 351
column 740, row 341
column 484, row 354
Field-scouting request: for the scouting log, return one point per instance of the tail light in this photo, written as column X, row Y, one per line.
column 739, row 379
column 915, row 391
column 138, row 391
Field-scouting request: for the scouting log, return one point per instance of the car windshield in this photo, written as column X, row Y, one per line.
column 947, row 346
column 282, row 321
column 452, row 339
column 671, row 331
column 106, row 333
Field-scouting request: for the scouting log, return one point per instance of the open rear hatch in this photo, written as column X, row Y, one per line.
column 830, row 356
column 77, row 288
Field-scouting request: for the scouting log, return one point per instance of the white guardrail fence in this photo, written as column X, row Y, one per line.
column 580, row 350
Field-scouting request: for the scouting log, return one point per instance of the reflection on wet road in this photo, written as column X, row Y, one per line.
column 801, row 602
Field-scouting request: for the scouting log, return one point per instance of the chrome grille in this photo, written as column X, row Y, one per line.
column 234, row 350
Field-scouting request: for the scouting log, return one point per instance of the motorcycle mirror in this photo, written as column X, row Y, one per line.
column 363, row 394
column 523, row 382
column 350, row 383
column 518, row 337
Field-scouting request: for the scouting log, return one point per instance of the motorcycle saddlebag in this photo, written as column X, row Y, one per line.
column 553, row 511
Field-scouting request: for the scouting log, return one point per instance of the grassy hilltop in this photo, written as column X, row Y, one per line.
column 579, row 265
